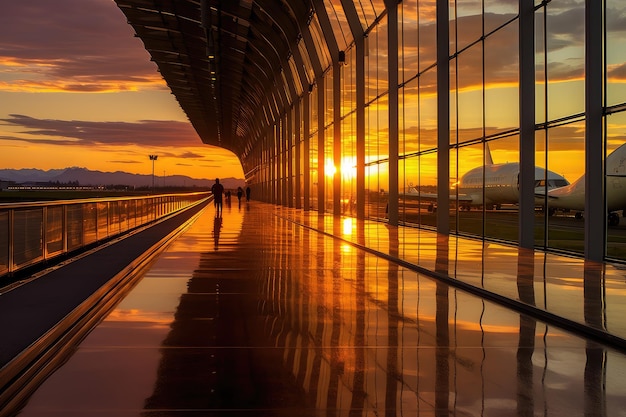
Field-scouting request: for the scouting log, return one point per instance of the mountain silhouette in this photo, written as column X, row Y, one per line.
column 87, row 177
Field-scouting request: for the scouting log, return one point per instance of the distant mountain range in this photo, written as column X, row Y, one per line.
column 86, row 177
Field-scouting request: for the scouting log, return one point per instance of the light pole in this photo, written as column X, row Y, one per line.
column 153, row 158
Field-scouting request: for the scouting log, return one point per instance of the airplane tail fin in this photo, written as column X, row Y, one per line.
column 488, row 158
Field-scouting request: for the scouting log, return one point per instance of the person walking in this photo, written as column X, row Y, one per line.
column 239, row 194
column 248, row 193
column 218, row 190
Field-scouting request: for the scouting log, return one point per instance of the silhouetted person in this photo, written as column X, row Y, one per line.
column 248, row 193
column 217, row 190
column 227, row 194
column 239, row 194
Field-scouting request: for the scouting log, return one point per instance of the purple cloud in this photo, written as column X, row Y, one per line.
column 164, row 133
column 73, row 45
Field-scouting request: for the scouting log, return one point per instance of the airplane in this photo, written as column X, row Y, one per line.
column 501, row 186
column 572, row 196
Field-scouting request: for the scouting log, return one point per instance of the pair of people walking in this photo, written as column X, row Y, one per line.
column 218, row 191
column 240, row 193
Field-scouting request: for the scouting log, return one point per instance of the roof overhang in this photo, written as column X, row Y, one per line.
column 223, row 60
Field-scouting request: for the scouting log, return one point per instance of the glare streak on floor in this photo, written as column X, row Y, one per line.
column 251, row 314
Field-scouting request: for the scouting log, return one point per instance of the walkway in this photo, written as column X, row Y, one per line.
column 256, row 315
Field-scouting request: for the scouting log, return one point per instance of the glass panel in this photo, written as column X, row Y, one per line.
column 540, row 202
column 376, row 154
column 382, row 114
column 114, row 217
column 4, row 241
column 330, row 169
column 502, row 80
column 54, row 230
column 469, row 25
column 376, row 179
column 540, row 67
column 566, row 158
column 498, row 12
column 321, row 46
column 313, row 148
column 300, row 163
column 339, row 22
column 348, row 164
column 329, row 107
column 376, row 67
column 615, row 52
column 313, row 109
column 427, row 11
column 308, row 67
column 470, row 94
column 407, row 37
column 616, row 183
column 366, row 12
column 90, row 217
column 285, row 87
column 408, row 122
column 403, row 177
column 502, row 189
column 124, row 214
column 408, row 205
column 472, row 189
column 27, row 232
column 453, row 100
column 427, row 187
column 75, row 226
column 408, row 146
column 382, row 52
column 452, row 17
column 348, row 83
column 453, row 179
column 428, row 110
column 566, row 58
column 295, row 76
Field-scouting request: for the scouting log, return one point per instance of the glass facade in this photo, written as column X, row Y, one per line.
column 365, row 112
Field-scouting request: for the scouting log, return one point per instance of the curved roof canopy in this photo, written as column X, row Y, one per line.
column 233, row 65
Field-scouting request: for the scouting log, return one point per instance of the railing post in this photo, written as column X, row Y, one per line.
column 64, row 226
column 10, row 262
column 44, row 232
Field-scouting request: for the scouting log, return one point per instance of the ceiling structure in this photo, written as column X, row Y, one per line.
column 233, row 65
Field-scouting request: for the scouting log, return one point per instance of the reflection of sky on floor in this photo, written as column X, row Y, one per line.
column 556, row 282
column 334, row 327
column 155, row 297
column 117, row 363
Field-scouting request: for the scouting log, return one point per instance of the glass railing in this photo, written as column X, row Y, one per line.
column 39, row 231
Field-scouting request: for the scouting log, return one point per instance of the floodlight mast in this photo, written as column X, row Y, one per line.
column 153, row 158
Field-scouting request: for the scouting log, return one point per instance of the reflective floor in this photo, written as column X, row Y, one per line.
column 579, row 292
column 253, row 314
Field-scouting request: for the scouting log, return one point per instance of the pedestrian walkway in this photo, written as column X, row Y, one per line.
column 257, row 313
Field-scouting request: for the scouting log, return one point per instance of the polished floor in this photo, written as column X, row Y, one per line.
column 263, row 313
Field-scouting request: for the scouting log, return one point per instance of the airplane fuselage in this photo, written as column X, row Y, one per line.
column 572, row 197
column 501, row 184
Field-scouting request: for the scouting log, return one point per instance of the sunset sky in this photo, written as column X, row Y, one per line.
column 78, row 89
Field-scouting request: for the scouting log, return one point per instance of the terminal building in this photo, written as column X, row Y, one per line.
column 381, row 109
column 435, row 225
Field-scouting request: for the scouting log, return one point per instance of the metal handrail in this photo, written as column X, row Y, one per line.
column 35, row 232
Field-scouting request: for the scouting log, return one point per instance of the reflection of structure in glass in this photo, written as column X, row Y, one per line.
column 423, row 106
column 377, row 337
column 371, row 337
